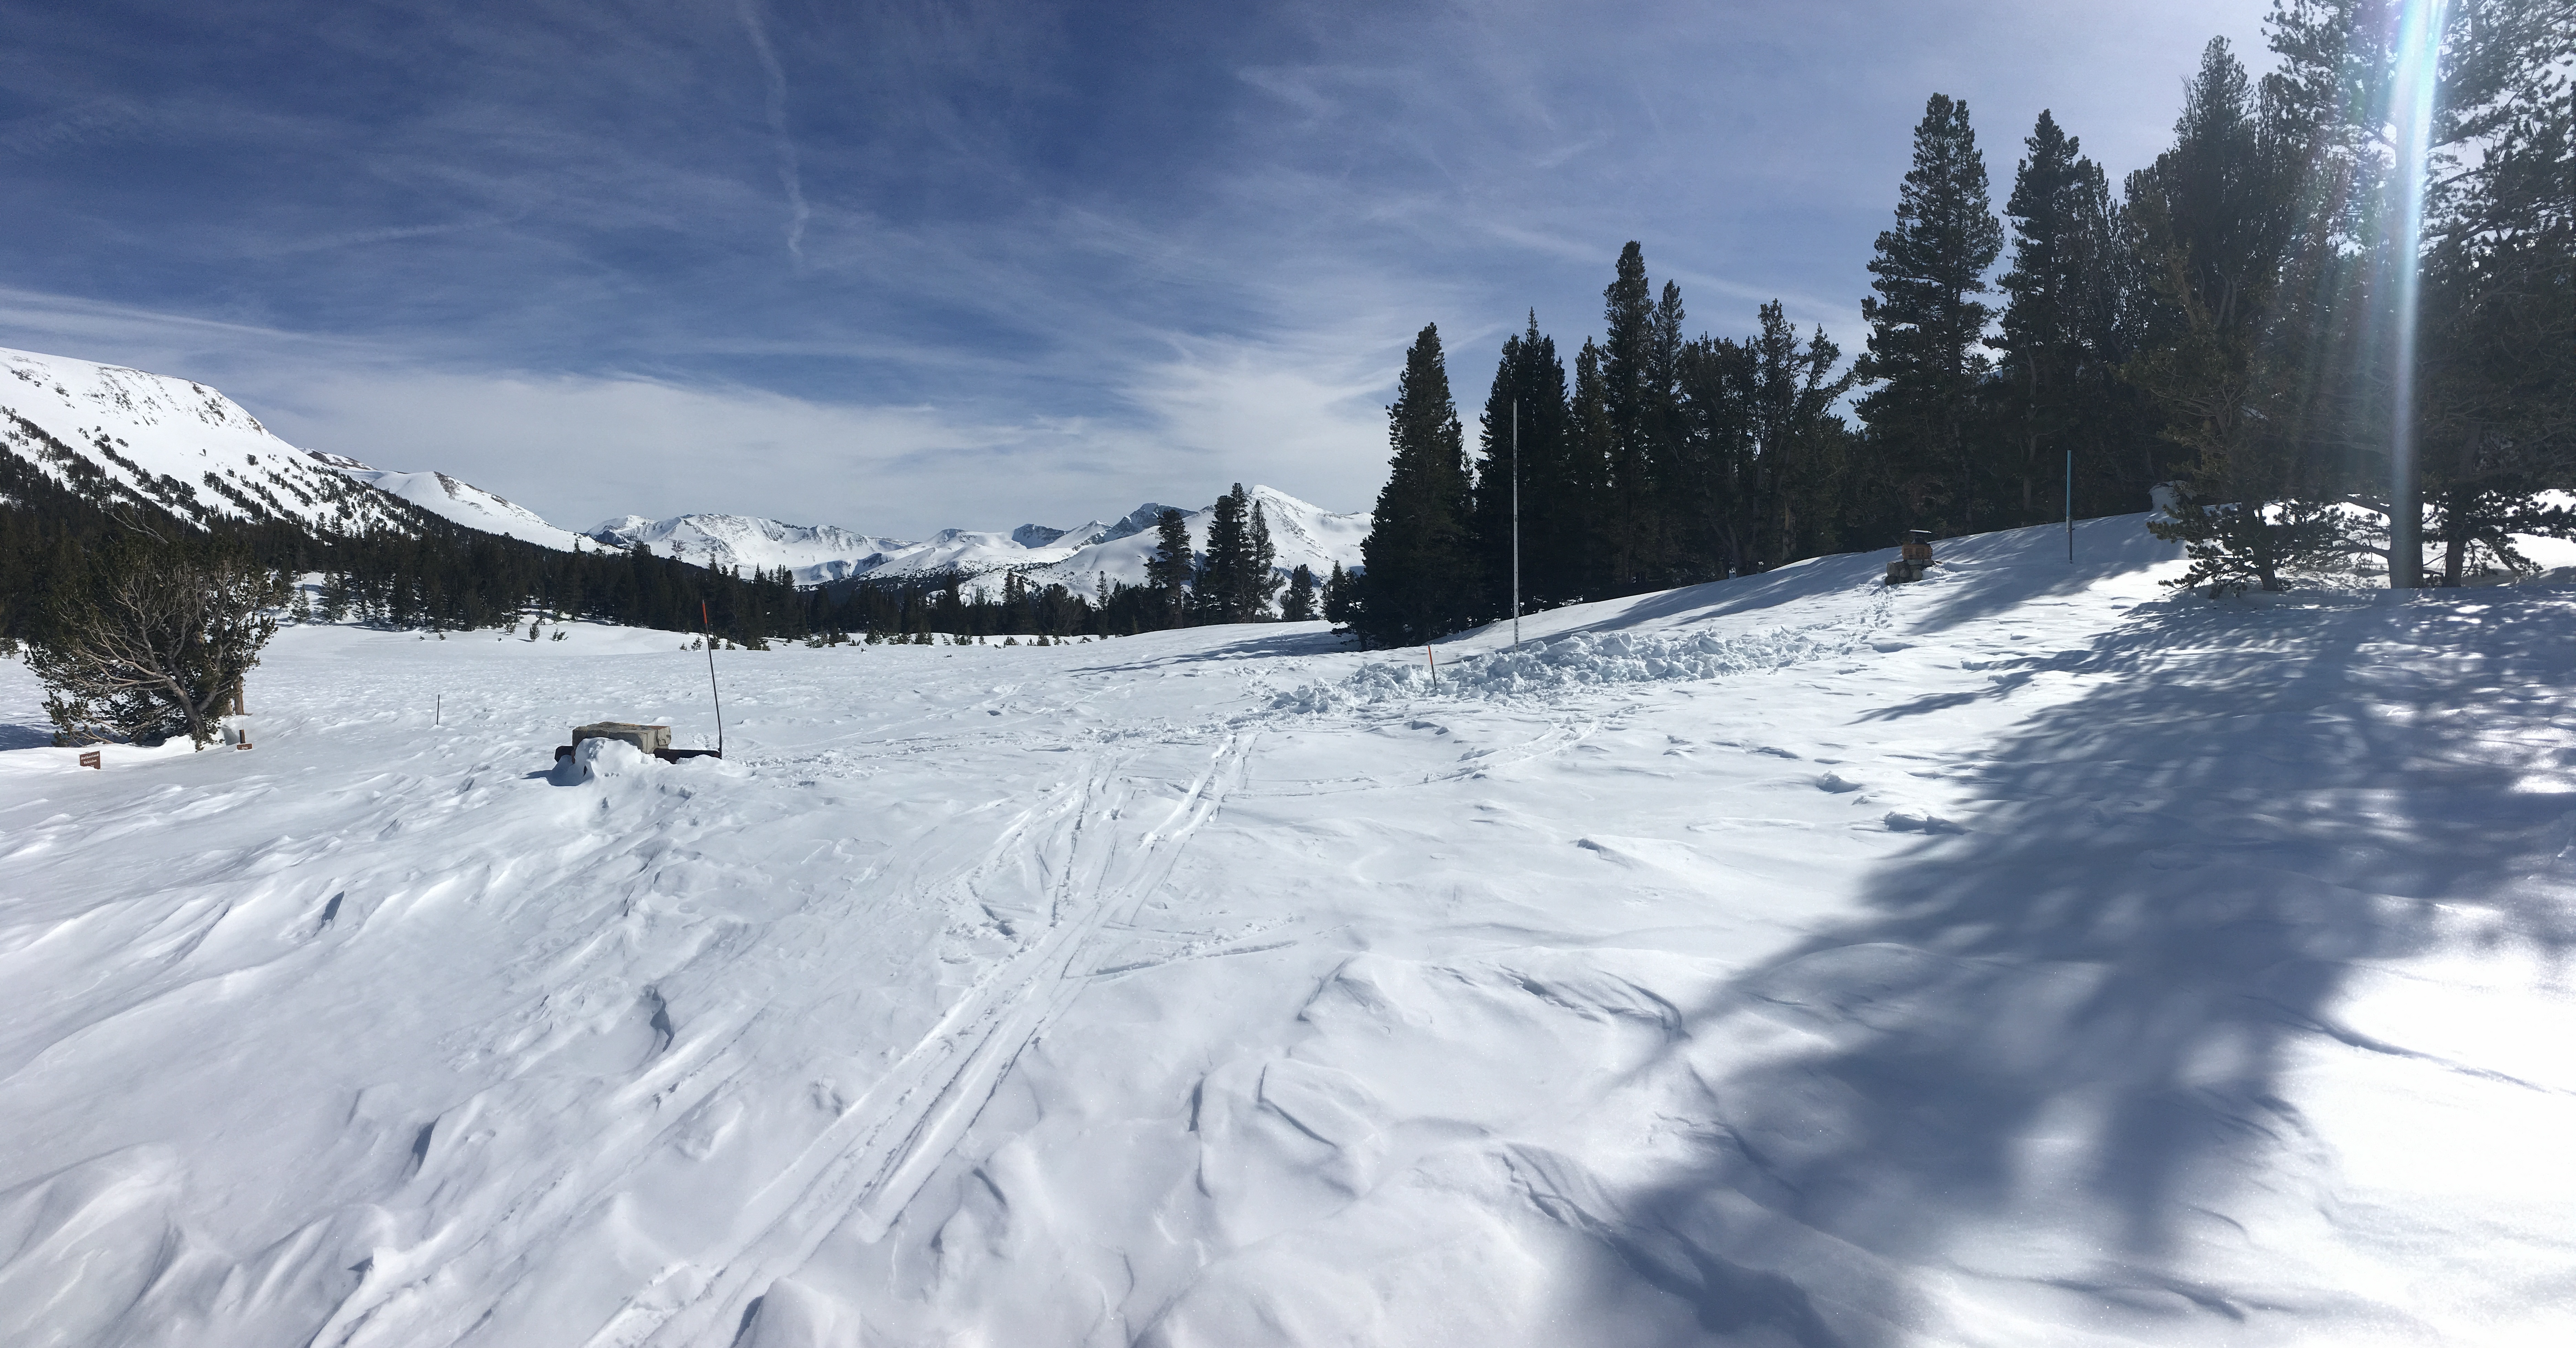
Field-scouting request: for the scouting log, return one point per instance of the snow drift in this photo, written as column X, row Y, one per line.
column 2028, row 956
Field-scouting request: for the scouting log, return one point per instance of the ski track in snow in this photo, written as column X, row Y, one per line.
column 2020, row 957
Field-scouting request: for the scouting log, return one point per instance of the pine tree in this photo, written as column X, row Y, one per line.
column 2242, row 340
column 1926, row 327
column 1797, row 441
column 1217, row 598
column 1420, row 581
column 1171, row 568
column 2064, row 331
column 1297, row 605
column 1589, row 449
column 1239, row 577
column 1555, row 499
column 2495, row 403
column 1260, row 580
column 1636, row 394
column 153, row 643
column 1341, row 598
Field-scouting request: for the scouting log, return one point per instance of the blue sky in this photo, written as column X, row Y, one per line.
column 900, row 267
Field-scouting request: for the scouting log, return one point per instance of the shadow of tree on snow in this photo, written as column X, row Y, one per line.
column 2068, row 1026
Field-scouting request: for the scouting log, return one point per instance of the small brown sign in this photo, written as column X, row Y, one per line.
column 243, row 745
column 90, row 759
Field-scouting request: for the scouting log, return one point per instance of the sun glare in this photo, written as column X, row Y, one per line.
column 2410, row 114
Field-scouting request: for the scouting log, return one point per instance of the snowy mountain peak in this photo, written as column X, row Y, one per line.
column 124, row 437
column 456, row 500
column 1135, row 522
column 813, row 553
column 1301, row 534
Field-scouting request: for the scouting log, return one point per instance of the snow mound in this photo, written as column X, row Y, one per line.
column 595, row 758
column 1592, row 660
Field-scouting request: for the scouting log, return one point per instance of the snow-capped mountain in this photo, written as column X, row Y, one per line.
column 1303, row 534
column 124, row 437
column 814, row 553
column 462, row 502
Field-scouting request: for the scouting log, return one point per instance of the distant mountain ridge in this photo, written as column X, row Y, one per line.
column 1078, row 558
column 125, row 436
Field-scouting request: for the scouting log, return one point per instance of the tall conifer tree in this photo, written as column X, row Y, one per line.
column 1636, row 393
column 1297, row 602
column 1926, row 326
column 1590, row 437
column 2066, row 330
column 1172, row 566
column 1421, row 576
column 1554, row 497
column 1219, row 597
column 2240, row 351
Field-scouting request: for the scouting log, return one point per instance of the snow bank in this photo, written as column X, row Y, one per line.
column 596, row 758
column 1584, row 660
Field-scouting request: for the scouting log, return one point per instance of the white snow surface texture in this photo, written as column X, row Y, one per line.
column 2026, row 956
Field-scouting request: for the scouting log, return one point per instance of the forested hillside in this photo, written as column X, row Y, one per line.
column 2264, row 317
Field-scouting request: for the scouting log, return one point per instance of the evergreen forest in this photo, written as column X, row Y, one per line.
column 2261, row 330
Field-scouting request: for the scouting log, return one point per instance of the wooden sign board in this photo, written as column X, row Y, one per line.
column 90, row 759
column 243, row 745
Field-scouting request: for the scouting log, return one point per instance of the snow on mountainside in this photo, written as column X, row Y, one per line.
column 967, row 552
column 2031, row 957
column 123, row 436
column 1077, row 558
column 1301, row 534
column 117, row 434
column 462, row 502
column 814, row 553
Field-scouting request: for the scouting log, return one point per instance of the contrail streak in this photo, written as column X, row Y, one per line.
column 789, row 176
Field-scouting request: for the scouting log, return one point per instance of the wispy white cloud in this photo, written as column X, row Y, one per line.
column 1044, row 264
column 581, row 448
column 790, row 175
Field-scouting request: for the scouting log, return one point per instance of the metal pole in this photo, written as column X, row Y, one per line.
column 711, row 676
column 1516, row 524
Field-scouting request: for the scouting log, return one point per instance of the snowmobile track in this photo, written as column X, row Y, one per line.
column 863, row 1171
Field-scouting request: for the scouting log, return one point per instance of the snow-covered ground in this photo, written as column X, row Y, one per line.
column 2022, row 957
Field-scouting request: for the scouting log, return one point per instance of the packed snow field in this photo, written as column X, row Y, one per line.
column 2022, row 957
